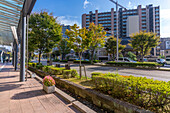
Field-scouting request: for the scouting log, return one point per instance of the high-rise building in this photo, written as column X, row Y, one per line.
column 64, row 27
column 130, row 21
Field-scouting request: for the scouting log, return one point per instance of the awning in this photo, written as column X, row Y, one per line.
column 9, row 16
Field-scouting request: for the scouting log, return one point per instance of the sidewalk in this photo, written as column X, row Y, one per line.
column 27, row 97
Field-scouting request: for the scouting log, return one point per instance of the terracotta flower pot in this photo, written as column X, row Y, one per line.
column 49, row 89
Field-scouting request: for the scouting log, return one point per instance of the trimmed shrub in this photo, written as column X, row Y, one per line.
column 34, row 64
column 147, row 93
column 66, row 74
column 63, row 60
column 137, row 64
column 88, row 62
column 74, row 73
column 57, row 71
column 56, row 60
column 97, row 61
column 39, row 66
column 95, row 74
column 30, row 64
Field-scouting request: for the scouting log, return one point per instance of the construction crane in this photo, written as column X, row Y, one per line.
column 117, row 35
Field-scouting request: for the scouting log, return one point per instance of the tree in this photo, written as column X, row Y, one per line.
column 96, row 35
column 131, row 56
column 44, row 32
column 111, row 45
column 63, row 48
column 143, row 42
column 78, row 40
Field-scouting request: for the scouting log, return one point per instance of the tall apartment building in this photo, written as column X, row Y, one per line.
column 64, row 27
column 130, row 21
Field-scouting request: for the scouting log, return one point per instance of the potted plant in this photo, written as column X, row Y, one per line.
column 49, row 84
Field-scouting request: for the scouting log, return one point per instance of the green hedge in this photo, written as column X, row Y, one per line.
column 60, row 71
column 57, row 71
column 137, row 64
column 147, row 93
column 84, row 61
column 63, row 60
column 56, row 60
column 66, row 74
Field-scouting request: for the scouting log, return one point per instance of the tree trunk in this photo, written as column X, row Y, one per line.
column 113, row 56
column 39, row 60
column 50, row 59
column 92, row 56
column 80, row 65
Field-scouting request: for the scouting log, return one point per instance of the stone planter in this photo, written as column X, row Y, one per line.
column 49, row 89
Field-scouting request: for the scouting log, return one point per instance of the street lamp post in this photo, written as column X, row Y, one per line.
column 117, row 35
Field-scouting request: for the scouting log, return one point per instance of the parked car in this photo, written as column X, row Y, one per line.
column 125, row 59
column 168, row 60
column 161, row 61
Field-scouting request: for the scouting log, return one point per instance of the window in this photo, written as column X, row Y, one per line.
column 143, row 14
column 143, row 10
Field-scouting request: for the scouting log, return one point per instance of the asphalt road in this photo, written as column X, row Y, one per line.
column 155, row 74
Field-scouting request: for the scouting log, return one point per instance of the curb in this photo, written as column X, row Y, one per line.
column 131, row 68
column 81, row 107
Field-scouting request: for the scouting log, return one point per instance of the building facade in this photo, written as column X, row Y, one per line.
column 165, row 46
column 64, row 27
column 129, row 21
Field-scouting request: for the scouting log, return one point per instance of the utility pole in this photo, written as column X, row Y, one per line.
column 117, row 27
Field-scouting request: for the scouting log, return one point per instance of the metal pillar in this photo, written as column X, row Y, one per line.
column 27, row 47
column 13, row 56
column 22, row 58
column 16, row 56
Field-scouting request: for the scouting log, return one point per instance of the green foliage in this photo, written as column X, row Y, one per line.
column 96, row 35
column 67, row 74
column 63, row 47
column 132, row 64
column 146, row 93
column 56, row 60
column 57, row 71
column 95, row 74
column 84, row 61
column 78, row 40
column 63, row 60
column 143, row 42
column 74, row 73
column 111, row 46
column 44, row 32
column 163, row 57
column 131, row 56
column 39, row 66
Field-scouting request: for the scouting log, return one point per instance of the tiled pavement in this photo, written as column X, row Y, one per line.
column 27, row 97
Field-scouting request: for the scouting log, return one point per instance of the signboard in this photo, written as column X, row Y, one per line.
column 167, row 44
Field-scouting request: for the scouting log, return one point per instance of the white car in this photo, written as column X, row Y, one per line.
column 168, row 60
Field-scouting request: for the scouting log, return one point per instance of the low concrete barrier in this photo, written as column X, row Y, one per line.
column 99, row 99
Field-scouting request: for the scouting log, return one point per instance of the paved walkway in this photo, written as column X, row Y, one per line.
column 27, row 97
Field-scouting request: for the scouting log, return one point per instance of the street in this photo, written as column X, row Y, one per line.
column 155, row 74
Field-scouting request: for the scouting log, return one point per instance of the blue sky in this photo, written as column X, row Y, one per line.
column 70, row 11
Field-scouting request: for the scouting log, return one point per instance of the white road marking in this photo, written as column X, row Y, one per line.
column 2, row 67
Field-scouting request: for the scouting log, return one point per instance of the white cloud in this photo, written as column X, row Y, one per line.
column 68, row 20
column 130, row 5
column 165, row 22
column 85, row 4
